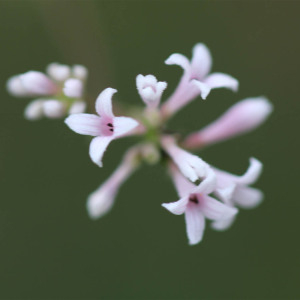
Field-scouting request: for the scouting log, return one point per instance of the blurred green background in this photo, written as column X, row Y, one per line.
column 50, row 249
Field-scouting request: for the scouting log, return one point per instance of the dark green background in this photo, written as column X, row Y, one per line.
column 50, row 249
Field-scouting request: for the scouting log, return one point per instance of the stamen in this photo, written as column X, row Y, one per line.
column 193, row 198
column 109, row 125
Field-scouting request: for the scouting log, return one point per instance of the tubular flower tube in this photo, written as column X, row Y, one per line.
column 196, row 79
column 102, row 200
column 61, row 88
column 242, row 117
column 206, row 193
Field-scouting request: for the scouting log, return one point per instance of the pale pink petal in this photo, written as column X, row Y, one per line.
column 247, row 197
column 80, row 72
column 58, row 71
column 78, row 107
column 73, row 88
column 104, row 104
column 178, row 207
column 97, row 148
column 38, row 83
column 195, row 224
column 34, row 110
column 225, row 194
column 203, row 88
column 86, row 124
column 215, row 210
column 252, row 174
column 54, row 109
column 180, row 60
column 123, row 125
column 15, row 87
column 220, row 80
column 223, row 224
column 242, row 117
column 183, row 186
column 201, row 61
column 208, row 185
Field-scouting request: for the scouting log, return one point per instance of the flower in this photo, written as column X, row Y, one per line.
column 242, row 117
column 105, row 127
column 197, row 205
column 195, row 79
column 150, row 89
column 191, row 166
column 102, row 200
column 233, row 190
column 59, row 92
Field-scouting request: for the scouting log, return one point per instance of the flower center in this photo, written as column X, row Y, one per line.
column 193, row 198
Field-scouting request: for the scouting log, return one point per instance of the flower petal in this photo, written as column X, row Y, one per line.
column 15, row 87
column 86, row 124
column 73, row 88
column 252, row 173
column 195, row 224
column 178, row 207
column 180, row 60
column 220, row 80
column 78, row 107
column 103, row 103
column 58, row 71
column 215, row 210
column 201, row 61
column 223, row 224
column 208, row 185
column 34, row 110
column 97, row 148
column 123, row 125
column 54, row 109
column 247, row 197
column 202, row 87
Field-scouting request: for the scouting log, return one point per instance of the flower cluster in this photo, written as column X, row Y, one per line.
column 205, row 192
column 57, row 93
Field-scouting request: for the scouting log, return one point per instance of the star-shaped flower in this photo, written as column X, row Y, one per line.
column 105, row 127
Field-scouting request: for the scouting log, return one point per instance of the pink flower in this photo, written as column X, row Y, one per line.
column 73, row 88
column 195, row 79
column 150, row 89
column 233, row 190
column 242, row 117
column 191, row 166
column 102, row 200
column 197, row 205
column 105, row 127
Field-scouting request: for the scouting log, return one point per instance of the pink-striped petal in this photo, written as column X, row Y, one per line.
column 86, row 124
column 203, row 88
column 97, row 148
column 195, row 224
column 252, row 174
column 123, row 125
column 180, row 60
column 215, row 210
column 201, row 61
column 223, row 224
column 104, row 103
column 178, row 207
column 220, row 80
column 247, row 197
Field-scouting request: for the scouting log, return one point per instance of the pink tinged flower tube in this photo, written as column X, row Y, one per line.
column 197, row 205
column 191, row 166
column 150, row 89
column 196, row 79
column 242, row 117
column 102, row 200
column 37, row 83
column 235, row 191
column 105, row 127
